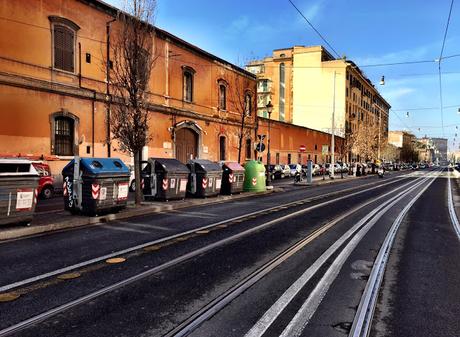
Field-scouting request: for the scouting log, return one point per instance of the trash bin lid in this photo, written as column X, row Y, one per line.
column 170, row 165
column 234, row 166
column 17, row 167
column 98, row 167
column 205, row 165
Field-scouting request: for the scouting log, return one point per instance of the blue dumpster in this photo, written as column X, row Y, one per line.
column 101, row 185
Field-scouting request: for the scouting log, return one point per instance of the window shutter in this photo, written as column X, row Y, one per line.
column 63, row 48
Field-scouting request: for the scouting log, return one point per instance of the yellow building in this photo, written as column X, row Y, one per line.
column 306, row 84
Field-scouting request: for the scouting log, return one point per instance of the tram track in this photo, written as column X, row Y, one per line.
column 195, row 320
column 50, row 313
column 171, row 238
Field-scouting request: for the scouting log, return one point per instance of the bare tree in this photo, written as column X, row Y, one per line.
column 133, row 50
column 243, row 101
column 364, row 141
column 390, row 152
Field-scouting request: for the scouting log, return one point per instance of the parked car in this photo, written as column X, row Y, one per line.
column 285, row 171
column 317, row 170
column 45, row 183
column 294, row 168
column 275, row 171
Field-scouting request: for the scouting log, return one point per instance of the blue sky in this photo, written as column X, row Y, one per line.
column 367, row 32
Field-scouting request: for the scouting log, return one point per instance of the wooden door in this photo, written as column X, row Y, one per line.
column 186, row 145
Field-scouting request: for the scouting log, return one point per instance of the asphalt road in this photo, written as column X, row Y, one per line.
column 294, row 263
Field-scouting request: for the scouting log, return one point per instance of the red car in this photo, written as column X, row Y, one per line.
column 45, row 184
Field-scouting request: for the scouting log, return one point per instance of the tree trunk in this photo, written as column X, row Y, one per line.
column 137, row 177
column 239, row 147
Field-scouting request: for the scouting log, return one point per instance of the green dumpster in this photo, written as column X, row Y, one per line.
column 254, row 176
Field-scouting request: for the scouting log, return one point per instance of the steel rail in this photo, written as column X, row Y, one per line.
column 452, row 212
column 363, row 318
column 91, row 296
column 217, row 304
column 275, row 310
column 14, row 285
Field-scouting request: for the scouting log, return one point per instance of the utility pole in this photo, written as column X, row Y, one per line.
column 380, row 127
column 333, row 132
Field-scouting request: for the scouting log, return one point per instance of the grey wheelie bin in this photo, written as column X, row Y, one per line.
column 165, row 179
column 232, row 178
column 18, row 191
column 100, row 186
column 205, row 178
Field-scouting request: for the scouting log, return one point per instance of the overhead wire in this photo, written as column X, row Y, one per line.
column 439, row 63
column 316, row 30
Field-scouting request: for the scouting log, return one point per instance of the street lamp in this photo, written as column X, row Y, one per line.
column 269, row 107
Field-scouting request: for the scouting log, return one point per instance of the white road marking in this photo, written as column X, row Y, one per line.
column 452, row 213
column 275, row 310
column 125, row 229
column 146, row 225
column 363, row 318
column 171, row 237
column 309, row 307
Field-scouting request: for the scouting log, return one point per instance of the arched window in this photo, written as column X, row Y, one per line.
column 222, row 149
column 64, row 136
column 64, row 41
column 64, row 126
column 248, row 104
column 222, row 96
column 188, row 75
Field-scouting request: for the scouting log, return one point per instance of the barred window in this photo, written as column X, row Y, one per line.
column 64, row 136
column 64, row 48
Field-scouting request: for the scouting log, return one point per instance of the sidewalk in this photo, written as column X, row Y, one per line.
column 58, row 220
column 49, row 221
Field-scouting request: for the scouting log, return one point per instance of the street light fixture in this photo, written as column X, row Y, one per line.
column 382, row 80
column 269, row 107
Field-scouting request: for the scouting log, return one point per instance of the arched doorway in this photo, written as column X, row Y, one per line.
column 186, row 144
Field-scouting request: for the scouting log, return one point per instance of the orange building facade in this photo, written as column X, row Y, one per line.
column 292, row 144
column 53, row 104
column 53, row 91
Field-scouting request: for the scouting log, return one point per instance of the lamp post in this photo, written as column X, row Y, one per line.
column 269, row 107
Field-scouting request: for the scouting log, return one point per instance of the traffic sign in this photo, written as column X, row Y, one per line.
column 260, row 147
column 302, row 148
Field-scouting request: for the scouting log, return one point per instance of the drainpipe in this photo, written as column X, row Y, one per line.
column 92, row 121
column 108, row 98
column 79, row 64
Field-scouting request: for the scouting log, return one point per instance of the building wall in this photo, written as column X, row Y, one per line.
column 357, row 102
column 441, row 148
column 314, row 91
column 31, row 90
column 287, row 138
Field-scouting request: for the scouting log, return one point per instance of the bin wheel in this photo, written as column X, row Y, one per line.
column 47, row 192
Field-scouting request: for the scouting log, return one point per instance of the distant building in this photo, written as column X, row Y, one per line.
column 427, row 149
column 299, row 82
column 400, row 138
column 440, row 145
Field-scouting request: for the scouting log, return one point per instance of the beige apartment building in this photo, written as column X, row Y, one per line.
column 305, row 86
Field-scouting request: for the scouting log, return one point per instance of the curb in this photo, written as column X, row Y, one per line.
column 145, row 209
